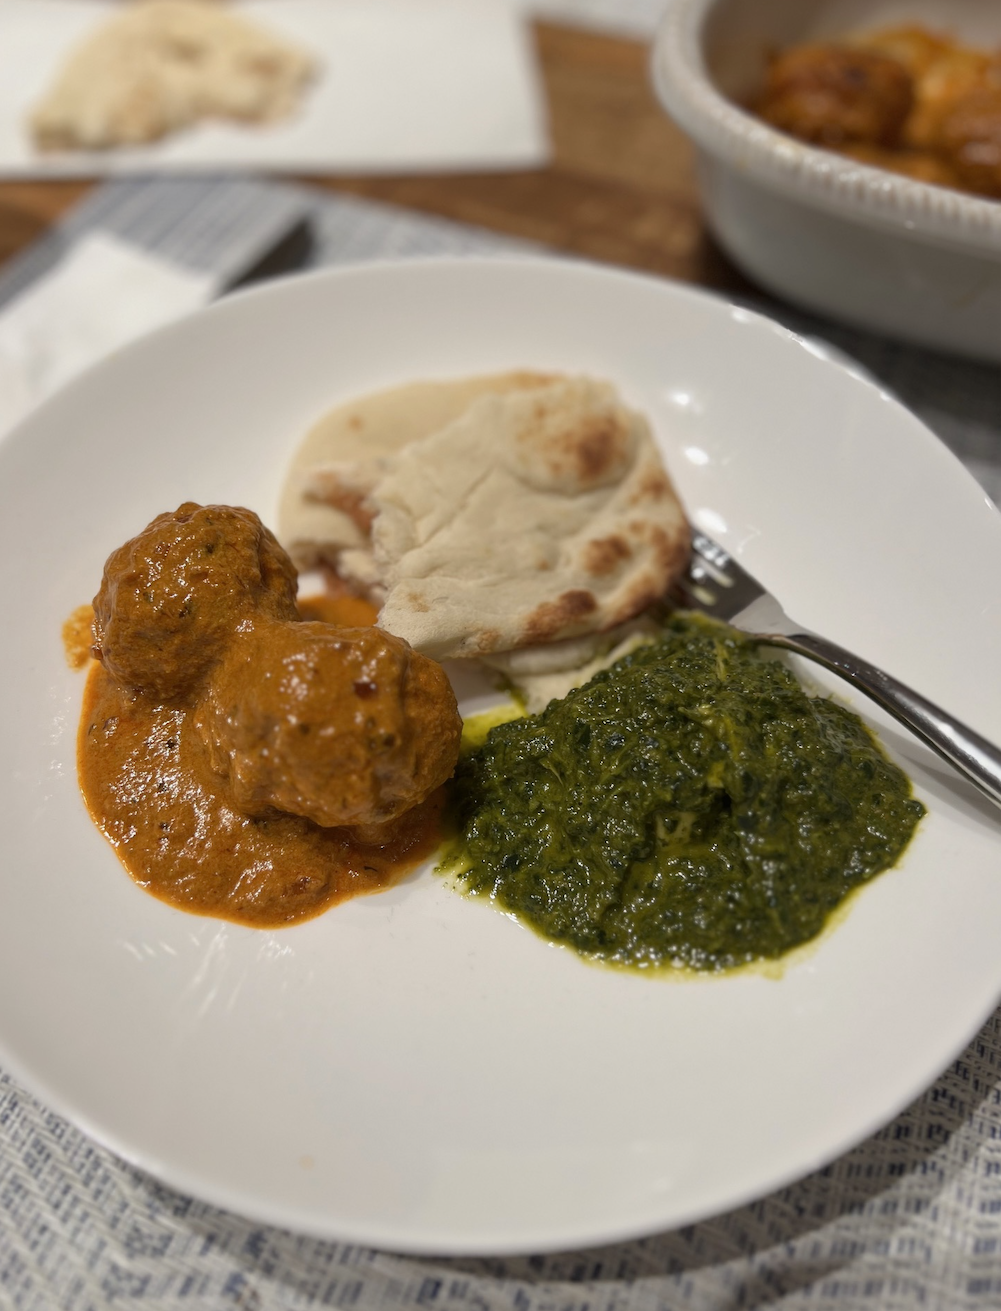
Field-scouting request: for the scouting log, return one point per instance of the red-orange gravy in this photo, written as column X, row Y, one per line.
column 148, row 785
column 78, row 636
column 338, row 607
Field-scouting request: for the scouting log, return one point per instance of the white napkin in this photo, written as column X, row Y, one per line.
column 406, row 85
column 101, row 295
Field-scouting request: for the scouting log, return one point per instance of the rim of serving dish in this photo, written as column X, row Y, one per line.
column 827, row 180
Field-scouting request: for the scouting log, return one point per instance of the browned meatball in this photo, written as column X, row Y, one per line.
column 969, row 137
column 346, row 726
column 832, row 95
column 171, row 597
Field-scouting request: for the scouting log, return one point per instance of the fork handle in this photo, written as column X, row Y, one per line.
column 974, row 757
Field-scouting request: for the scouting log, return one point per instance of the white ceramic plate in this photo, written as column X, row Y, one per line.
column 413, row 1070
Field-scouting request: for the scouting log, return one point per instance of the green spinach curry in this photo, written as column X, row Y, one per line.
column 690, row 806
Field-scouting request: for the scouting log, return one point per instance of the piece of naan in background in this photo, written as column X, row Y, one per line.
column 323, row 516
column 160, row 66
column 535, row 516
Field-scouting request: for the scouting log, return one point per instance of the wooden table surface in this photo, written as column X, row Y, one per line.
column 621, row 187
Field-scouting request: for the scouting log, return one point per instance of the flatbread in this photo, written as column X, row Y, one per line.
column 526, row 513
column 342, row 457
column 535, row 516
column 163, row 65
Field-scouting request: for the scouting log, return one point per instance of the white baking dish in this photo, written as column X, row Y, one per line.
column 872, row 248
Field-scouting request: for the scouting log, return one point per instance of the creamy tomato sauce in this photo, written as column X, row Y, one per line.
column 147, row 782
column 78, row 636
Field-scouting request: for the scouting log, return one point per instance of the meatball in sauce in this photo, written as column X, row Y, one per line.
column 245, row 763
column 339, row 725
column 171, row 598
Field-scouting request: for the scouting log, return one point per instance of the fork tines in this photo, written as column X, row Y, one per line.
column 715, row 583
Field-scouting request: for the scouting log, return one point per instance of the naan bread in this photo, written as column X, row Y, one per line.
column 523, row 518
column 163, row 65
column 535, row 516
column 322, row 515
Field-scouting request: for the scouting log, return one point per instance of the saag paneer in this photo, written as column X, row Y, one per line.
column 690, row 806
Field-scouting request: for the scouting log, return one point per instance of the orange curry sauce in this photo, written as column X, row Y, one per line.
column 147, row 783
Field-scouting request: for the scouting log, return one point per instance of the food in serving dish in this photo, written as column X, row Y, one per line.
column 242, row 761
column 905, row 98
column 162, row 66
column 861, row 244
column 690, row 806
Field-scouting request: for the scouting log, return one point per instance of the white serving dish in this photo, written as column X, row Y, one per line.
column 414, row 1070
column 866, row 246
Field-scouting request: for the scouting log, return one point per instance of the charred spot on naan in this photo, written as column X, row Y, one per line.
column 604, row 555
column 485, row 642
column 670, row 551
column 668, row 555
column 593, row 451
column 557, row 618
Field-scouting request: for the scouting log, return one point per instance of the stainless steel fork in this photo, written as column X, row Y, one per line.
column 716, row 585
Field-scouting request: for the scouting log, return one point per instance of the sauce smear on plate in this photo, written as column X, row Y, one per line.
column 148, row 785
